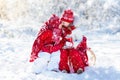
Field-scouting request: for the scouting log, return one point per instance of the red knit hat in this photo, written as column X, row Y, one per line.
column 68, row 16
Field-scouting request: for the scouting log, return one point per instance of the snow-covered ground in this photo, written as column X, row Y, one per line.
column 99, row 21
column 15, row 52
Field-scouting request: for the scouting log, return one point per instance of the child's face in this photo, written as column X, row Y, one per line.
column 65, row 24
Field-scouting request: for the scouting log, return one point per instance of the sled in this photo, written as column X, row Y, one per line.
column 91, row 57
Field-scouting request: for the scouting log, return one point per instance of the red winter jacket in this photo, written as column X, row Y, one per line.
column 45, row 42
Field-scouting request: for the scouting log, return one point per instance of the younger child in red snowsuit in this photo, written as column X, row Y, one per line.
column 71, row 59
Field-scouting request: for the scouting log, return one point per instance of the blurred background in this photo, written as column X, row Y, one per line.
column 20, row 18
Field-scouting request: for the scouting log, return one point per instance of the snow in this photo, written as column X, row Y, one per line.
column 99, row 20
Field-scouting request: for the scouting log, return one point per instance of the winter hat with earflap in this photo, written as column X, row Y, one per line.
column 53, row 22
column 68, row 16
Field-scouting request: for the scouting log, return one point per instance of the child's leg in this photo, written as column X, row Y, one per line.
column 63, row 64
column 76, row 60
column 40, row 64
column 54, row 61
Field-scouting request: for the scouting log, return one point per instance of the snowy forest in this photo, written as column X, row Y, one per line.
column 20, row 21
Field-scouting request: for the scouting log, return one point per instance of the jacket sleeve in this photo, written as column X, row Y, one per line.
column 57, row 46
column 38, row 44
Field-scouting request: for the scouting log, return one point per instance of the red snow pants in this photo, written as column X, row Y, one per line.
column 70, row 57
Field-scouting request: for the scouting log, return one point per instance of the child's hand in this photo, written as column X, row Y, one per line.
column 68, row 45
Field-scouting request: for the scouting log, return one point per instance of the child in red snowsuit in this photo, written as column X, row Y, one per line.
column 49, row 39
column 46, row 46
column 71, row 59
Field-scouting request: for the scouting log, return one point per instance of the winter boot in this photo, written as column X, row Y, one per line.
column 64, row 71
column 79, row 71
